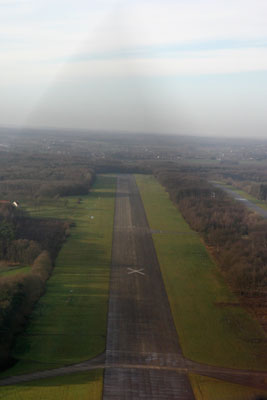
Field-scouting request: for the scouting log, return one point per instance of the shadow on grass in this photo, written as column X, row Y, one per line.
column 102, row 194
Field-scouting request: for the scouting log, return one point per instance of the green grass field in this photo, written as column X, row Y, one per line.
column 206, row 388
column 211, row 325
column 81, row 386
column 69, row 323
column 14, row 271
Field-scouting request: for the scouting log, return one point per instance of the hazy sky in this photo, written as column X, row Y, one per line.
column 174, row 66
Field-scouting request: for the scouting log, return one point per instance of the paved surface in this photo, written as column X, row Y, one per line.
column 140, row 325
column 146, row 384
column 246, row 202
column 256, row 379
column 143, row 358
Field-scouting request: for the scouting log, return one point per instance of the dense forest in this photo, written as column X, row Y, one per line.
column 45, row 164
column 236, row 236
column 43, row 176
column 27, row 175
column 26, row 241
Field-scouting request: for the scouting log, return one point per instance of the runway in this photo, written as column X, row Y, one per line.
column 140, row 325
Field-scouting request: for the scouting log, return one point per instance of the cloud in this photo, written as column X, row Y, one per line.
column 182, row 63
column 12, row 3
column 50, row 42
column 163, row 23
column 120, row 25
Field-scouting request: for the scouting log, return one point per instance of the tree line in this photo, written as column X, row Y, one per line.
column 236, row 236
column 30, row 241
column 43, row 176
column 18, row 294
column 251, row 179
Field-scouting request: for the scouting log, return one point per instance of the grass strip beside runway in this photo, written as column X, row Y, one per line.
column 68, row 324
column 211, row 325
column 82, row 386
column 215, row 389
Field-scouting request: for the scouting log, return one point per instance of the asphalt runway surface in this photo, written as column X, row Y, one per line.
column 143, row 358
column 141, row 330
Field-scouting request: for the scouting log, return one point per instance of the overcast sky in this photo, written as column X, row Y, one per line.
column 170, row 66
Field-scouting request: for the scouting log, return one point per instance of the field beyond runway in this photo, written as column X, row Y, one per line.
column 144, row 359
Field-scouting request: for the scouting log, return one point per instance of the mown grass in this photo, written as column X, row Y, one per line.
column 206, row 388
column 82, row 386
column 69, row 322
column 14, row 271
column 211, row 325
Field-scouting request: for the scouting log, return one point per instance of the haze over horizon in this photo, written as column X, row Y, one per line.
column 178, row 66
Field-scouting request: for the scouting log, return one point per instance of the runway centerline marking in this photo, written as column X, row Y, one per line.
column 135, row 271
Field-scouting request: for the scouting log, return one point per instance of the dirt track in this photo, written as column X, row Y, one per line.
column 261, row 211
